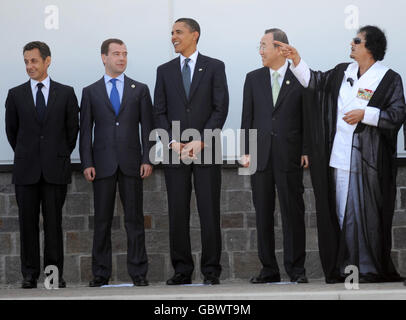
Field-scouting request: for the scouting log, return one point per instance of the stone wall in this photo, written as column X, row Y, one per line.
column 239, row 257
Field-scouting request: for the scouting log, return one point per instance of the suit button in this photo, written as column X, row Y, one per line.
column 273, row 119
column 42, row 137
column 117, row 124
column 188, row 110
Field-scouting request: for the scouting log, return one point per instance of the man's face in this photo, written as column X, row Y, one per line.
column 183, row 39
column 35, row 66
column 358, row 50
column 269, row 53
column 115, row 61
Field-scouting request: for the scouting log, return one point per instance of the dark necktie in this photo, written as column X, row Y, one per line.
column 186, row 76
column 40, row 102
column 114, row 97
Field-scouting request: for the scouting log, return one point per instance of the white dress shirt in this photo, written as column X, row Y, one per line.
column 119, row 85
column 347, row 101
column 281, row 71
column 192, row 63
column 45, row 89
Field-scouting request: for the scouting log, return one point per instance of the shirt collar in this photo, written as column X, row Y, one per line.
column 107, row 78
column 46, row 82
column 281, row 70
column 193, row 57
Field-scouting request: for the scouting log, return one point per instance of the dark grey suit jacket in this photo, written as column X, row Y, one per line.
column 116, row 142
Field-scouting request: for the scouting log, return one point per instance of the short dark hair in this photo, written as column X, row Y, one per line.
column 278, row 35
column 106, row 43
column 192, row 25
column 41, row 46
column 375, row 41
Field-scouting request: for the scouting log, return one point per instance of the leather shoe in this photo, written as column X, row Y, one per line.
column 98, row 282
column 267, row 279
column 179, row 278
column 211, row 279
column 369, row 278
column 333, row 280
column 29, row 283
column 140, row 281
column 300, row 279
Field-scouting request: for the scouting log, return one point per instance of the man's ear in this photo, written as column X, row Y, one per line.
column 48, row 61
column 103, row 56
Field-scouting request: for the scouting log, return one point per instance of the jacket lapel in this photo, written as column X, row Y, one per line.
column 265, row 82
column 51, row 99
column 286, row 86
column 27, row 92
column 126, row 93
column 198, row 73
column 102, row 92
column 178, row 78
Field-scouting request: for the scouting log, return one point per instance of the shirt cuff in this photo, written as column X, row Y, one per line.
column 371, row 116
column 301, row 72
column 169, row 144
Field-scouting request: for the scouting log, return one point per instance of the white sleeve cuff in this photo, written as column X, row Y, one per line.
column 169, row 144
column 301, row 72
column 371, row 116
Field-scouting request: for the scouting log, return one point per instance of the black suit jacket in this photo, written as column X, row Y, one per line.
column 116, row 140
column 42, row 147
column 280, row 127
column 207, row 106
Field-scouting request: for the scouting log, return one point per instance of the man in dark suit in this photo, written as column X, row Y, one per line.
column 192, row 90
column 273, row 106
column 114, row 107
column 42, row 126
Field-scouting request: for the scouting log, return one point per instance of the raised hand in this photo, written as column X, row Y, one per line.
column 288, row 52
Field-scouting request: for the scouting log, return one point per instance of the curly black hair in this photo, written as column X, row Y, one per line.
column 375, row 41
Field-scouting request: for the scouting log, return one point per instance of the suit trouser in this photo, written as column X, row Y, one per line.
column 207, row 184
column 290, row 194
column 130, row 189
column 30, row 198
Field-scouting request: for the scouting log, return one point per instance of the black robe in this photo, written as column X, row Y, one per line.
column 372, row 185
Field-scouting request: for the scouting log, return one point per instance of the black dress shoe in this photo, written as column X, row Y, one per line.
column 333, row 280
column 140, row 281
column 300, row 279
column 211, row 279
column 179, row 278
column 267, row 279
column 369, row 278
column 61, row 283
column 29, row 283
column 98, row 282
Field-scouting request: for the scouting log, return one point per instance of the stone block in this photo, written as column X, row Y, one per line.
column 195, row 240
column 232, row 220
column 122, row 271
column 147, row 222
column 72, row 223
column 309, row 200
column 85, row 264
column 236, row 240
column 313, row 265
column 402, row 263
column 251, row 219
column 239, row 201
column 225, row 266
column 9, row 224
column 157, row 241
column 161, row 222
column 6, row 244
column 246, row 264
column 115, row 224
column 399, row 218
column 230, row 180
column 307, row 180
column 402, row 198
column 153, row 182
column 155, row 202
column 77, row 204
column 12, row 269
column 71, row 271
column 12, row 207
column 399, row 238
column 80, row 184
column 311, row 239
column 5, row 183
column 79, row 242
column 3, row 207
column 119, row 241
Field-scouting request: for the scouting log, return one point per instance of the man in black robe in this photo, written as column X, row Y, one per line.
column 355, row 112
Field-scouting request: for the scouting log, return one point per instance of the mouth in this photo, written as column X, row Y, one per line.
column 176, row 43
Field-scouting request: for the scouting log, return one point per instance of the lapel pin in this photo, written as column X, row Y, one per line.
column 200, row 69
column 133, row 86
column 287, row 82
